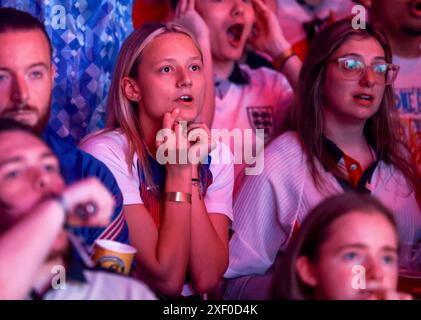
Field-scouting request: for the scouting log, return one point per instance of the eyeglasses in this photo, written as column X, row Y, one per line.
column 353, row 68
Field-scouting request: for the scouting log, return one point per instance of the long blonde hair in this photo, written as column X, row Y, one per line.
column 123, row 113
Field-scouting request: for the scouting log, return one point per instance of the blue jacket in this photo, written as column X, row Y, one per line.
column 75, row 165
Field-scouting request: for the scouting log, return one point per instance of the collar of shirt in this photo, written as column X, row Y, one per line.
column 237, row 76
column 357, row 180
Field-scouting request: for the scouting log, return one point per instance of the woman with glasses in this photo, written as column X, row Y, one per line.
column 344, row 139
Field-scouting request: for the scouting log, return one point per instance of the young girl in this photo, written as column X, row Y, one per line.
column 178, row 214
column 344, row 140
column 346, row 249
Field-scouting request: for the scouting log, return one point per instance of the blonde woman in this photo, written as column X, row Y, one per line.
column 178, row 214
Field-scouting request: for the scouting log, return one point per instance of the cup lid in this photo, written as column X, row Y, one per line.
column 115, row 246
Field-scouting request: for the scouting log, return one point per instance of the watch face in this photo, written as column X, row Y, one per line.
column 86, row 210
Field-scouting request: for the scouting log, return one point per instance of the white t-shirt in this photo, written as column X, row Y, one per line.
column 269, row 205
column 112, row 148
column 101, row 285
column 261, row 104
column 408, row 101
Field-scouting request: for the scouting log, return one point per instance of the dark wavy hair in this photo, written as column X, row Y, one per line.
column 381, row 130
column 314, row 231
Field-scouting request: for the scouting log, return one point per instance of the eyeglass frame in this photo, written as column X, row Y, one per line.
column 339, row 59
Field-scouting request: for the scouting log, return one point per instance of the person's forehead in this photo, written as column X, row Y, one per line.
column 24, row 46
column 366, row 47
column 203, row 6
column 14, row 143
column 358, row 227
column 171, row 37
column 167, row 43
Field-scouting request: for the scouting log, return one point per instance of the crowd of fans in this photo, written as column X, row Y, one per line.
column 331, row 112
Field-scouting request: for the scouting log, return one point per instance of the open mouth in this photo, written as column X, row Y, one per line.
column 185, row 98
column 235, row 33
column 415, row 8
column 364, row 99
